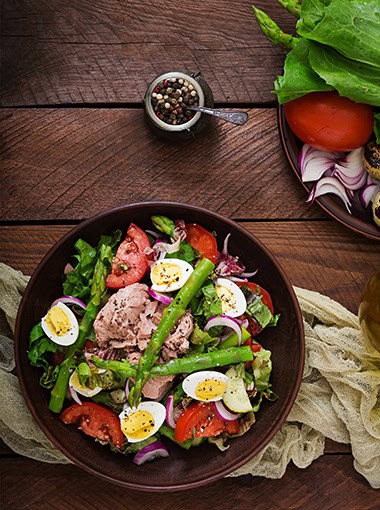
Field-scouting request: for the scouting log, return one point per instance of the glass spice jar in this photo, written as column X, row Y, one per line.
column 166, row 101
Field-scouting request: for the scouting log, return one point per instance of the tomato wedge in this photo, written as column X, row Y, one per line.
column 130, row 263
column 202, row 240
column 254, row 327
column 201, row 420
column 95, row 421
column 265, row 296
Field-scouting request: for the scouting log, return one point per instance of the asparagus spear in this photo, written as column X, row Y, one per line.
column 172, row 313
column 186, row 365
column 293, row 6
column 164, row 224
column 97, row 295
column 273, row 31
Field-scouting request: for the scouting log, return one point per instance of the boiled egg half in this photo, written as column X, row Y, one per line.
column 206, row 386
column 60, row 325
column 142, row 422
column 83, row 390
column 231, row 296
column 168, row 275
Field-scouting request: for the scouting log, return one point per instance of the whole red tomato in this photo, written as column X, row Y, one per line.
column 328, row 121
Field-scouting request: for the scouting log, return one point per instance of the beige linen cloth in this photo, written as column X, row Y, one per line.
column 338, row 398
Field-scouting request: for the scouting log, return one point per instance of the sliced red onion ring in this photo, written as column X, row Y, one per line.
column 223, row 413
column 170, row 412
column 162, row 298
column 153, row 233
column 69, row 300
column 237, row 279
column 367, row 193
column 74, row 395
column 225, row 320
column 225, row 244
column 329, row 185
column 126, row 389
column 150, row 452
column 314, row 163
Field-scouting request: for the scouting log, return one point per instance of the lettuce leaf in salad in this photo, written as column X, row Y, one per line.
column 206, row 303
column 257, row 310
column 186, row 252
column 40, row 349
column 78, row 282
column 262, row 368
column 198, row 336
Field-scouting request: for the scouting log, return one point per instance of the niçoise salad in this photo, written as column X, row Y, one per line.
column 156, row 336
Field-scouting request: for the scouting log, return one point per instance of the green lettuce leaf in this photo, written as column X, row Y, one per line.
column 351, row 27
column 207, row 303
column 40, row 348
column 262, row 368
column 186, row 252
column 260, row 312
column 377, row 127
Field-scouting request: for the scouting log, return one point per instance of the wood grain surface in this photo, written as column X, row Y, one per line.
column 89, row 51
column 314, row 255
column 73, row 163
column 56, row 486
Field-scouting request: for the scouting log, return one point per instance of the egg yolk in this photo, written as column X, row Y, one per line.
column 227, row 298
column 138, row 425
column 210, row 388
column 57, row 321
column 166, row 274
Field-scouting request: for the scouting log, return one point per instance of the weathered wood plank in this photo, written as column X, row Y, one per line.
column 90, row 51
column 315, row 255
column 329, row 483
column 72, row 163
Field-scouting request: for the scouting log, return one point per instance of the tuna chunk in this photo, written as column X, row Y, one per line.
column 121, row 314
column 156, row 388
column 177, row 342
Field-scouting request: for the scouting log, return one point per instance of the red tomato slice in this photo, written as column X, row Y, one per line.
column 328, row 121
column 198, row 420
column 130, row 263
column 95, row 421
column 255, row 347
column 232, row 427
column 266, row 299
column 202, row 240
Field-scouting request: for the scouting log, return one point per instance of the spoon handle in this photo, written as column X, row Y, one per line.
column 238, row 118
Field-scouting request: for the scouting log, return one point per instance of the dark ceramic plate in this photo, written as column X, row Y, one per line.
column 183, row 469
column 360, row 220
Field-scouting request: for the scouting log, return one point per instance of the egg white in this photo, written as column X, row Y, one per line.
column 157, row 410
column 236, row 304
column 191, row 382
column 160, row 283
column 70, row 337
column 82, row 390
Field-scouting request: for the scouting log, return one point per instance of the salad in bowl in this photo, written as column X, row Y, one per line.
column 141, row 336
column 156, row 336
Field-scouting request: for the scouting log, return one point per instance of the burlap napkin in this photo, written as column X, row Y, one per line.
column 338, row 397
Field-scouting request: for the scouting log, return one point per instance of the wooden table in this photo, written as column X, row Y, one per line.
column 75, row 143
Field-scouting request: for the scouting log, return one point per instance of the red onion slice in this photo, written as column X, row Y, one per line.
column 330, row 185
column 74, row 395
column 227, row 321
column 160, row 297
column 153, row 233
column 68, row 268
column 150, row 452
column 314, row 163
column 170, row 412
column 223, row 413
column 225, row 244
column 69, row 300
column 367, row 193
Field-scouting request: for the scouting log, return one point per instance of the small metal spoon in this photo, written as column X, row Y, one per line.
column 238, row 118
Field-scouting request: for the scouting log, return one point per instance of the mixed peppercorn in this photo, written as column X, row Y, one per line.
column 171, row 99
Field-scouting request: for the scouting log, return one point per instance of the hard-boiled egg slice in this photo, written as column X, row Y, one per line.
column 232, row 298
column 206, row 386
column 83, row 390
column 168, row 275
column 60, row 325
column 142, row 422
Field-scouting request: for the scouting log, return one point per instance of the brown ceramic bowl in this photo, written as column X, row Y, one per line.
column 361, row 219
column 182, row 469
